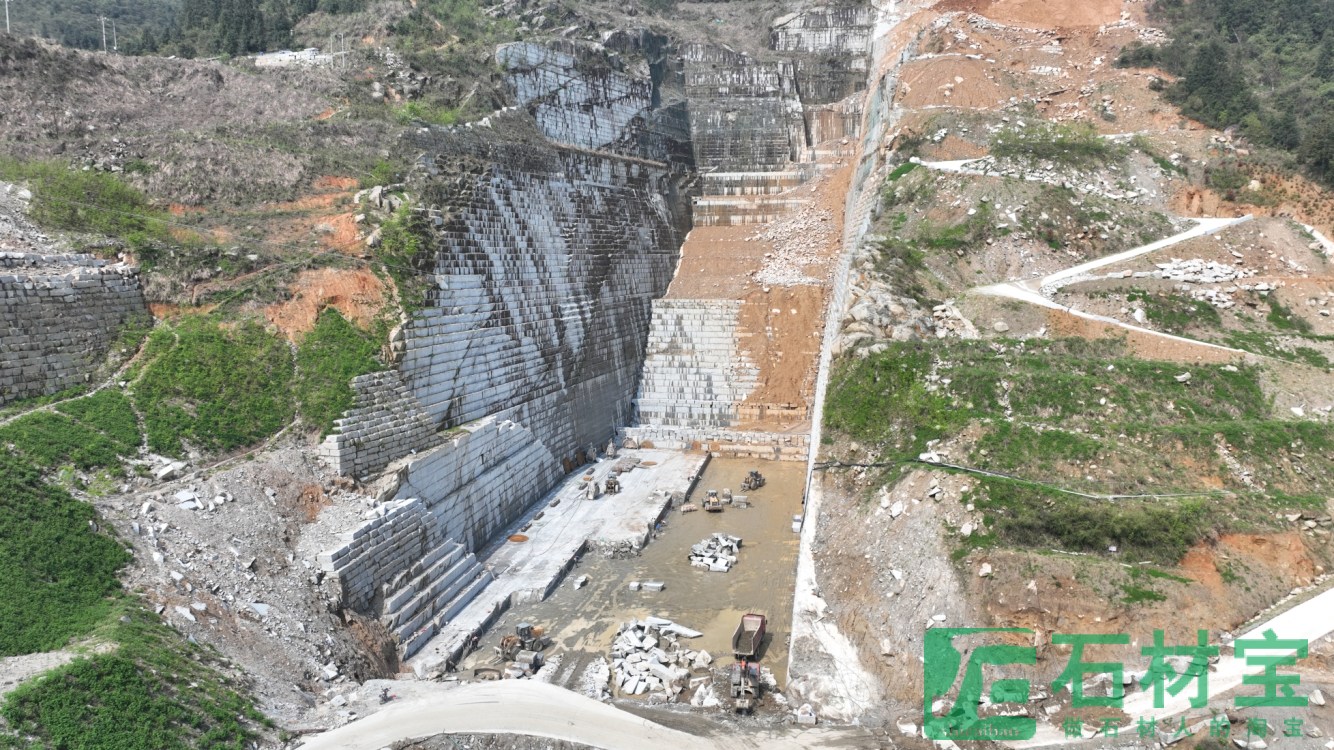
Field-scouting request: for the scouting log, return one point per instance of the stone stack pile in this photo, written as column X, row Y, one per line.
column 718, row 553
column 648, row 658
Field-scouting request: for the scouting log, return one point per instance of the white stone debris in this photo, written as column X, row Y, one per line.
column 646, row 657
column 717, row 553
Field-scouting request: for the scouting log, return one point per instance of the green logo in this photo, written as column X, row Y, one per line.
column 963, row 720
column 941, row 666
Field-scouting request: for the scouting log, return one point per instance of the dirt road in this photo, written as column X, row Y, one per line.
column 533, row 708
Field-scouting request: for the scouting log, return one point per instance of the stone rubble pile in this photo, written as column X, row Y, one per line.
column 647, row 658
column 718, row 553
column 875, row 313
column 1197, row 271
column 951, row 323
column 800, row 240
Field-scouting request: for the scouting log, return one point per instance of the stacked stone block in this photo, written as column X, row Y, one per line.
column 695, row 374
column 59, row 315
column 385, row 422
column 400, row 566
column 720, row 442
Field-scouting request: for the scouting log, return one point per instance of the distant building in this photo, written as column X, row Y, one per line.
column 309, row 57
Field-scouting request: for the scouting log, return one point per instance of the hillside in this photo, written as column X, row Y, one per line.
column 315, row 376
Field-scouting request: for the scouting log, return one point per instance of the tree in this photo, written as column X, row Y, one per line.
column 1317, row 149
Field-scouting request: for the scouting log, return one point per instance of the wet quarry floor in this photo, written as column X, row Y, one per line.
column 583, row 622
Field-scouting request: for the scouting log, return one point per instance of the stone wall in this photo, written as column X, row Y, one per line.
column 59, row 315
column 695, row 373
column 721, row 442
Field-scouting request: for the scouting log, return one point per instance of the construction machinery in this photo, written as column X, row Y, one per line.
column 753, row 481
column 613, row 486
column 748, row 636
column 745, row 682
column 526, row 638
column 712, row 503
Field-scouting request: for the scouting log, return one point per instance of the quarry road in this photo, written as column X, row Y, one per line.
column 537, row 709
column 1310, row 621
column 1035, row 291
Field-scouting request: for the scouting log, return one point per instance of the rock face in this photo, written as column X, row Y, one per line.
column 59, row 314
column 526, row 350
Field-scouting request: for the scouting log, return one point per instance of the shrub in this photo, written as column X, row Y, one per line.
column 220, row 389
column 1077, row 146
column 329, row 357
column 57, row 573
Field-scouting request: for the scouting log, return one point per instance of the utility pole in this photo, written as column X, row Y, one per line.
column 6, row 16
column 115, row 46
column 104, row 34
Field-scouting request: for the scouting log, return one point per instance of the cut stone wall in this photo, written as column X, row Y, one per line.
column 695, row 373
column 59, row 316
column 720, row 442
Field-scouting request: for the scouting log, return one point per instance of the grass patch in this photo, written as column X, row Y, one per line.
column 1284, row 318
column 1009, row 446
column 1076, row 146
column 329, row 357
column 220, row 389
column 412, row 112
column 110, row 413
column 155, row 690
column 85, row 201
column 884, row 399
column 50, row 440
column 1026, row 516
column 1175, row 314
column 1136, row 595
column 57, row 575
column 1080, row 415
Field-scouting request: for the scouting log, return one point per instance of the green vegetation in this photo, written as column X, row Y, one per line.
column 75, row 200
column 1026, row 516
column 965, row 235
column 409, row 113
column 75, row 23
column 1176, row 314
column 109, row 412
column 404, row 240
column 1267, row 67
column 57, row 574
column 1136, row 595
column 1080, row 416
column 329, row 357
column 154, row 690
column 901, row 170
column 51, row 440
column 1284, row 319
column 884, row 400
column 1075, row 146
column 218, row 388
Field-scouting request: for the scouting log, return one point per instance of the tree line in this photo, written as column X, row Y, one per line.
column 1266, row 68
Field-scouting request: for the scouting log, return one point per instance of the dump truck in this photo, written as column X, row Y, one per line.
column 745, row 682
column 712, row 503
column 748, row 636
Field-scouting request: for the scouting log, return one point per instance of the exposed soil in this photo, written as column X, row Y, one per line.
column 358, row 294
